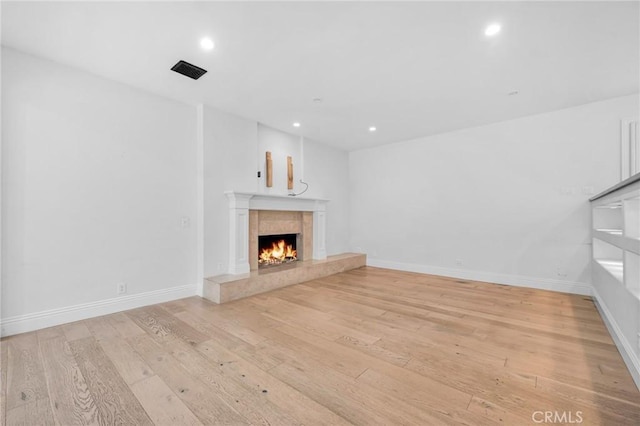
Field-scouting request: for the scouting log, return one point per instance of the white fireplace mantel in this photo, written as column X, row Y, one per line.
column 241, row 202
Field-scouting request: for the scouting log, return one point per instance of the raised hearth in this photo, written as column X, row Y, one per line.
column 225, row 288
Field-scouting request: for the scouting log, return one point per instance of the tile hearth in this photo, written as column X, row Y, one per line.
column 225, row 288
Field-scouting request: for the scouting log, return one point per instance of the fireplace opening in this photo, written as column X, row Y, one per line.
column 277, row 249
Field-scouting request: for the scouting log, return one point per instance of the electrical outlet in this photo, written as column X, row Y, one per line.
column 185, row 222
column 121, row 288
column 220, row 266
column 458, row 262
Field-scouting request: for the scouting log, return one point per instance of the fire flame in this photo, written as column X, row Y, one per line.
column 279, row 252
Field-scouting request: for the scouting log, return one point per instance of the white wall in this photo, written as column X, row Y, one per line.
column 230, row 163
column 326, row 170
column 281, row 145
column 97, row 177
column 234, row 151
column 505, row 202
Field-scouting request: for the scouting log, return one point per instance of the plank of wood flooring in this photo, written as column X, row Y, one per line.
column 510, row 393
column 498, row 414
column 3, row 380
column 173, row 307
column 160, row 323
column 114, row 399
column 539, row 301
column 330, row 395
column 211, row 330
column 629, row 407
column 581, row 366
column 25, row 372
column 162, row 405
column 230, row 341
column 36, row 412
column 201, row 400
column 75, row 330
column 50, row 332
column 343, row 360
column 245, row 325
column 358, row 403
column 288, row 343
column 326, row 302
column 434, row 351
column 614, row 389
column 71, row 400
column 489, row 318
column 373, row 350
column 515, row 342
column 124, row 325
column 302, row 408
column 471, row 379
column 128, row 363
column 251, row 399
column 425, row 394
column 100, row 328
column 323, row 327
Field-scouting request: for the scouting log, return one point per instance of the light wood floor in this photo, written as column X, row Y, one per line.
column 369, row 347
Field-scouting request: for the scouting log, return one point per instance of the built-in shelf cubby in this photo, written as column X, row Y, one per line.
column 610, row 257
column 632, row 218
column 632, row 272
column 609, row 218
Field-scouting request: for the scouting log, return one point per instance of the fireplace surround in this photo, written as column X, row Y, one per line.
column 251, row 215
column 267, row 223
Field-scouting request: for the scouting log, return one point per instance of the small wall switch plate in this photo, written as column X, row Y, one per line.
column 185, row 222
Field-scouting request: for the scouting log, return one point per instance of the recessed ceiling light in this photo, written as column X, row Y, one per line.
column 492, row 30
column 296, row 124
column 317, row 100
column 513, row 93
column 372, row 129
column 206, row 43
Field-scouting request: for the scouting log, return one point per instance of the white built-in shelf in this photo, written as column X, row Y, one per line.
column 616, row 234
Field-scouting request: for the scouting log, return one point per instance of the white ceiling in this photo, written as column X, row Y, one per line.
column 410, row 69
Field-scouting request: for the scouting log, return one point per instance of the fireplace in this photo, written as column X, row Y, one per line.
column 274, row 235
column 277, row 249
column 257, row 215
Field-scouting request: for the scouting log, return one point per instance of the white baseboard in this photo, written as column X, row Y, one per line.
column 35, row 321
column 490, row 277
column 624, row 347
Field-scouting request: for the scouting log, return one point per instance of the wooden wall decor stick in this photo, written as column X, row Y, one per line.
column 289, row 173
column 269, row 168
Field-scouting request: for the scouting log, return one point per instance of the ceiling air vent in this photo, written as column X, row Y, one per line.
column 190, row 70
